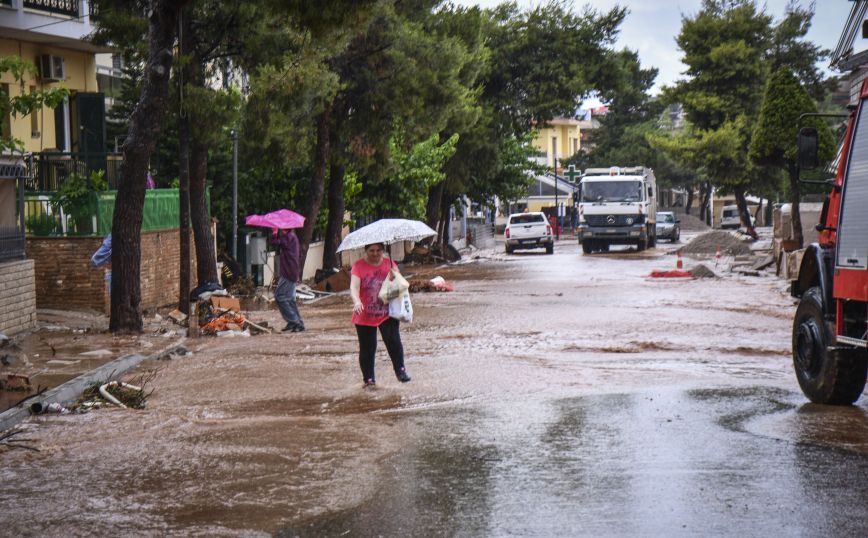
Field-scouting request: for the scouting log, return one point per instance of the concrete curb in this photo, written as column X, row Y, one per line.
column 69, row 392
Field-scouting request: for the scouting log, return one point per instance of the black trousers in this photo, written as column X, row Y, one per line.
column 390, row 331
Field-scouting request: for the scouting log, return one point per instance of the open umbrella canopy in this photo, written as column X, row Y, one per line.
column 386, row 231
column 282, row 219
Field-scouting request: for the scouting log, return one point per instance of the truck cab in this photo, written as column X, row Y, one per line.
column 617, row 206
column 830, row 329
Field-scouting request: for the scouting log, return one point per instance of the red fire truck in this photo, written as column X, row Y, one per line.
column 829, row 330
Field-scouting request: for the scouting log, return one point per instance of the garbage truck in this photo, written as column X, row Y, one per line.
column 830, row 328
column 617, row 206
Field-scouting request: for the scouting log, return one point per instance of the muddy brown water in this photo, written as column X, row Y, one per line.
column 551, row 396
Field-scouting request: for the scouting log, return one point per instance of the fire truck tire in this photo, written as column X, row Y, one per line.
column 586, row 246
column 826, row 375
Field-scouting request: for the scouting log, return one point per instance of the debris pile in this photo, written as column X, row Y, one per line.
column 437, row 283
column 708, row 244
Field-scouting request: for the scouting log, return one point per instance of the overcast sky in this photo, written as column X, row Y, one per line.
column 651, row 26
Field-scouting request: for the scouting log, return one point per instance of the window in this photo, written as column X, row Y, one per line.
column 529, row 218
column 5, row 113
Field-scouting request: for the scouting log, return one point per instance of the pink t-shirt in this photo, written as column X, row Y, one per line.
column 371, row 278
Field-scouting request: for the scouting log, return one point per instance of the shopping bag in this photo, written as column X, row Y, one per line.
column 401, row 308
column 393, row 286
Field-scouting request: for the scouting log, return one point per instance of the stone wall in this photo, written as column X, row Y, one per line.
column 17, row 297
column 65, row 280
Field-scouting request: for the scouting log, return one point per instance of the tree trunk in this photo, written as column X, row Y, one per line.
column 795, row 201
column 317, row 183
column 146, row 122
column 336, row 215
column 184, row 213
column 206, row 256
column 432, row 208
column 689, row 205
column 703, row 202
column 743, row 213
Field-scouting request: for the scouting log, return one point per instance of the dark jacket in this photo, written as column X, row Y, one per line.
column 288, row 252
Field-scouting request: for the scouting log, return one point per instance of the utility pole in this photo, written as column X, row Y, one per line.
column 233, row 134
column 557, row 207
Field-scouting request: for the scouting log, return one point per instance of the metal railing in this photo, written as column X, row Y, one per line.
column 11, row 243
column 51, row 169
column 62, row 7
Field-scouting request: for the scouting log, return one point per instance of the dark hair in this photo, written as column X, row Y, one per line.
column 382, row 246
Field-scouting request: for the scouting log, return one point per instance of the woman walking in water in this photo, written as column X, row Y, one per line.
column 369, row 313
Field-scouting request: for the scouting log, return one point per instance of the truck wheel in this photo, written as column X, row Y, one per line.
column 604, row 246
column 508, row 249
column 586, row 247
column 550, row 249
column 826, row 375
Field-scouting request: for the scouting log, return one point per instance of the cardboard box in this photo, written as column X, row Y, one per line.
column 226, row 303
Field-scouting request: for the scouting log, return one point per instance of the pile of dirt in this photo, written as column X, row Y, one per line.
column 701, row 271
column 691, row 223
column 707, row 244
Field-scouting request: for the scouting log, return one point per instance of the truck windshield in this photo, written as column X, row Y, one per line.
column 611, row 191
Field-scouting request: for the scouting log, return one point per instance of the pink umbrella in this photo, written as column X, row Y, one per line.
column 282, row 218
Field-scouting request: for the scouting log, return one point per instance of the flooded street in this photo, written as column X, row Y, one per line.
column 552, row 395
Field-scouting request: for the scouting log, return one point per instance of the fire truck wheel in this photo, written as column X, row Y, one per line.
column 826, row 376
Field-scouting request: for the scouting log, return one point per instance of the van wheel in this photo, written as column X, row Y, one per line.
column 826, row 375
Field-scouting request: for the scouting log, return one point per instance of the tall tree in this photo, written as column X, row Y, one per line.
column 774, row 136
column 145, row 125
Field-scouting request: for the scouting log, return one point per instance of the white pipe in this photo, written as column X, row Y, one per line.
column 105, row 393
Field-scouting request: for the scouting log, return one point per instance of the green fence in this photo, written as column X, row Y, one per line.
column 161, row 212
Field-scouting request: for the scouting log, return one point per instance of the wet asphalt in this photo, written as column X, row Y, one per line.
column 552, row 395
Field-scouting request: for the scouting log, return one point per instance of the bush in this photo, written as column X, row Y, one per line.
column 41, row 224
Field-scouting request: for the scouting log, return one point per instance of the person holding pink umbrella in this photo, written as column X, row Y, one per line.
column 286, row 243
column 283, row 239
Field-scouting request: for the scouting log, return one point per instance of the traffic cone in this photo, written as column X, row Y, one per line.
column 678, row 263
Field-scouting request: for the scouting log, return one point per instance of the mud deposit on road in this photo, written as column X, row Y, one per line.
column 252, row 435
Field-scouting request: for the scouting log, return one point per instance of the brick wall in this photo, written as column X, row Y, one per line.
column 65, row 279
column 17, row 297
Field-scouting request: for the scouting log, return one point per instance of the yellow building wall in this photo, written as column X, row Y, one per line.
column 568, row 142
column 80, row 76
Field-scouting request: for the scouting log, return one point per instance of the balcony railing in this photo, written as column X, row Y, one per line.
column 50, row 169
column 61, row 7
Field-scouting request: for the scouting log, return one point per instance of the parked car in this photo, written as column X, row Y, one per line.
column 668, row 227
column 528, row 230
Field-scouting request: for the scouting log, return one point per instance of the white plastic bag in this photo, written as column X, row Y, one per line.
column 393, row 286
column 401, row 308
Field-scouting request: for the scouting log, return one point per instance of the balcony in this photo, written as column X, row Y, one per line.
column 59, row 7
column 51, row 168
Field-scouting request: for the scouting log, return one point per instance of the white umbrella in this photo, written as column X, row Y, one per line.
column 386, row 231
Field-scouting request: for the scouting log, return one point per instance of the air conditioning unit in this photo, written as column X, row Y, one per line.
column 51, row 67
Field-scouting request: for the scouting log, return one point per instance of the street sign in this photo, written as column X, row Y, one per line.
column 572, row 173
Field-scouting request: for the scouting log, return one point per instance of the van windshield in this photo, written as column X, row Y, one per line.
column 612, row 191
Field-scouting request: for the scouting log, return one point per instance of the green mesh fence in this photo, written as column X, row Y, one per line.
column 160, row 212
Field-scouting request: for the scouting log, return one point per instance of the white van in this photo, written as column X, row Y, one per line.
column 729, row 217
